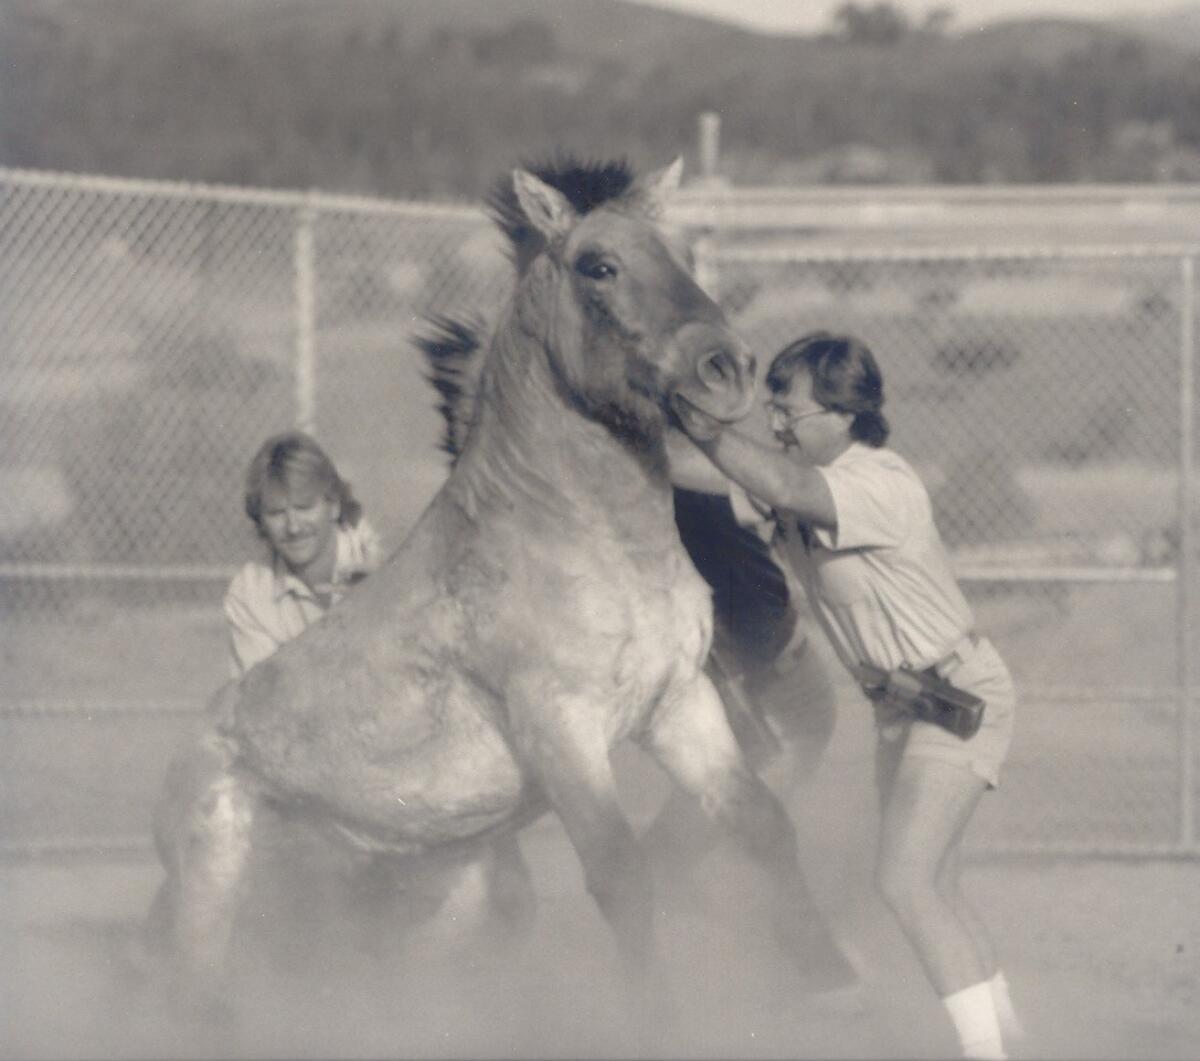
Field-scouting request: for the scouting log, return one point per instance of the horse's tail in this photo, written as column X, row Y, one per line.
column 453, row 354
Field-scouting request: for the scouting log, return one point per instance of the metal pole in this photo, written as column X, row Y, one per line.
column 707, row 272
column 1187, row 754
column 710, row 143
column 305, row 273
column 704, row 249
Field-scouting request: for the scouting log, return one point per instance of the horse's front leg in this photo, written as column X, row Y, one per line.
column 690, row 737
column 560, row 739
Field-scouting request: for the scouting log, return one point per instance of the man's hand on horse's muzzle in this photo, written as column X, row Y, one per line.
column 694, row 421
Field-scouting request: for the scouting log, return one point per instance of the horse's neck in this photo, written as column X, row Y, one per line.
column 532, row 451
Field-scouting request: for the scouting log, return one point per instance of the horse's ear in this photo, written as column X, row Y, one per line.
column 660, row 185
column 546, row 208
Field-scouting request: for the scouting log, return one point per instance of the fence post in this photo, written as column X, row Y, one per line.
column 305, row 276
column 708, row 276
column 709, row 125
column 704, row 249
column 1187, row 753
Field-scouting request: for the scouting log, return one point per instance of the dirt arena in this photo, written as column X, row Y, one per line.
column 1102, row 956
column 1102, row 953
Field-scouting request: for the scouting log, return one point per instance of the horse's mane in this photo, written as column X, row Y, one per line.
column 586, row 185
column 453, row 356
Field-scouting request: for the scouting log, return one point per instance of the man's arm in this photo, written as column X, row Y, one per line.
column 772, row 476
column 691, row 469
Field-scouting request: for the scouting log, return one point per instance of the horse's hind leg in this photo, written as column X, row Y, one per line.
column 509, row 884
column 204, row 837
column 212, row 870
column 692, row 740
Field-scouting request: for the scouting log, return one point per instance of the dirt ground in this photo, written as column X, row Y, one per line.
column 1102, row 956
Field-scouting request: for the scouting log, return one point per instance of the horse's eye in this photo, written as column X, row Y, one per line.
column 595, row 268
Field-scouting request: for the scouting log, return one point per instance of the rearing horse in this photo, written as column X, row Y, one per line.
column 541, row 610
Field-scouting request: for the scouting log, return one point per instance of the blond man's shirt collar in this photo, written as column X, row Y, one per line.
column 350, row 558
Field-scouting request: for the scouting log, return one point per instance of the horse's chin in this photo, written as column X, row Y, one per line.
column 696, row 422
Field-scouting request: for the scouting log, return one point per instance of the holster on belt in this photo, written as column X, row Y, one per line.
column 925, row 696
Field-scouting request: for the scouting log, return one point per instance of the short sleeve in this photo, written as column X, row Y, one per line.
column 249, row 641
column 876, row 504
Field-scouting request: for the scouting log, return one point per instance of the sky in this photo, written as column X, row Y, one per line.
column 807, row 16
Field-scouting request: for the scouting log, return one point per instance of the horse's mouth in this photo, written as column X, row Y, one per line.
column 696, row 422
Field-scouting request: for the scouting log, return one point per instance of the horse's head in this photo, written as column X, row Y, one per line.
column 632, row 338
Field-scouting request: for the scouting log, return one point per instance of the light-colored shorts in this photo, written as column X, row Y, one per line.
column 980, row 671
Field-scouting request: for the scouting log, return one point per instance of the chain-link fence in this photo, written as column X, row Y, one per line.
column 152, row 335
column 1045, row 394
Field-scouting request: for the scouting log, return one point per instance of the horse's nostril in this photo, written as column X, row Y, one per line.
column 719, row 367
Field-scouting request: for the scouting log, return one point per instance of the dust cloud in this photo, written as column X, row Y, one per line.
column 410, row 964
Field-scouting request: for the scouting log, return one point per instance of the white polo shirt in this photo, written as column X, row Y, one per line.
column 266, row 605
column 881, row 583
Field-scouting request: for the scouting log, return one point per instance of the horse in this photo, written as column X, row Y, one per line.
column 774, row 684
column 540, row 611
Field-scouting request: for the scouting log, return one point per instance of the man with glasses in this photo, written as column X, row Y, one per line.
column 855, row 524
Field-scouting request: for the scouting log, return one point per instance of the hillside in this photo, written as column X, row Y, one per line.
column 614, row 29
column 433, row 97
column 1180, row 27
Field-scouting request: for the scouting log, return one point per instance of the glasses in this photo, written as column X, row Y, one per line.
column 790, row 419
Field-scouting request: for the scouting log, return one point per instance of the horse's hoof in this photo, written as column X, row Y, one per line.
column 206, row 1019
column 137, row 963
column 846, row 1002
column 820, row 960
column 827, row 972
column 655, row 1013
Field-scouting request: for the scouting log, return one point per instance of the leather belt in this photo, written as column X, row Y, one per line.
column 957, row 655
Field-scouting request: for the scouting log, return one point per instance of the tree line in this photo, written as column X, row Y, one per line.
column 342, row 103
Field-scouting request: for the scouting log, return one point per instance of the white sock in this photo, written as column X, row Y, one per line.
column 973, row 1011
column 1009, row 1021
